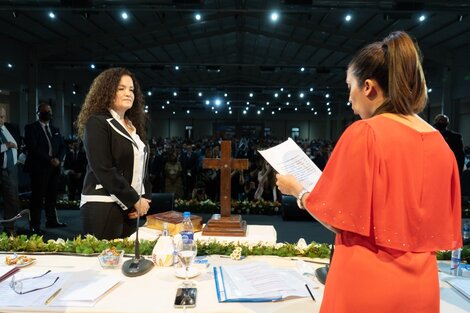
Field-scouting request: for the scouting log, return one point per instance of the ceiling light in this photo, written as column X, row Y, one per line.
column 258, row 112
column 177, row 67
column 187, row 111
column 328, row 103
column 167, row 102
column 244, row 112
column 229, row 112
column 422, row 18
column 248, row 102
column 282, row 89
column 273, row 112
column 92, row 66
column 430, row 90
column 315, row 113
column 225, row 95
column 207, row 102
column 348, row 103
column 347, row 18
column 74, row 92
column 295, row 109
column 49, row 86
column 175, row 94
column 302, row 69
column 197, row 17
column 163, row 107
column 288, row 96
column 9, row 65
column 149, row 93
column 267, row 102
column 327, row 95
column 124, row 15
column 311, row 88
column 329, row 113
column 251, row 95
column 274, row 16
column 301, row 95
column 174, row 112
column 218, row 102
column 276, row 95
column 308, row 102
column 51, row 15
column 199, row 94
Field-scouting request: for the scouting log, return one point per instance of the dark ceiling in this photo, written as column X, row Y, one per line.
column 235, row 47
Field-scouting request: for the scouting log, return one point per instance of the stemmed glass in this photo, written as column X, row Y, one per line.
column 186, row 251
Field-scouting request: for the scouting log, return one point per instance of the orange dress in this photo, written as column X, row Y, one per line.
column 394, row 193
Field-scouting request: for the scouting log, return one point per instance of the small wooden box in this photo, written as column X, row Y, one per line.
column 174, row 220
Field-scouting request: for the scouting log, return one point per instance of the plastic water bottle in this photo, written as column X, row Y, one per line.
column 466, row 231
column 455, row 263
column 187, row 232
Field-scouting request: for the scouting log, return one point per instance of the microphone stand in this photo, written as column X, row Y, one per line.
column 138, row 265
column 322, row 272
column 17, row 216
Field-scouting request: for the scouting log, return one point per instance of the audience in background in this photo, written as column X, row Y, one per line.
column 75, row 168
column 453, row 139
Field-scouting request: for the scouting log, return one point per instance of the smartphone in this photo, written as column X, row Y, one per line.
column 185, row 298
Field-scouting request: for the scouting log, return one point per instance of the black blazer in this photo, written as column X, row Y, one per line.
column 15, row 133
column 110, row 153
column 37, row 146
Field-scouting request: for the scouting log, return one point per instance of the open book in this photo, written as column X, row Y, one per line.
column 288, row 158
column 258, row 282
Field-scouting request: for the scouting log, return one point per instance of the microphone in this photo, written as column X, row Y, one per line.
column 138, row 265
column 17, row 216
column 322, row 272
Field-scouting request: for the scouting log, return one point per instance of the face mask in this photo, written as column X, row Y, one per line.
column 440, row 126
column 45, row 116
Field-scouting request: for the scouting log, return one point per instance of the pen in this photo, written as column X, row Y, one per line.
column 311, row 294
column 52, row 297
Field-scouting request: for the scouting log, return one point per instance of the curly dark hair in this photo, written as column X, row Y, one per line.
column 100, row 99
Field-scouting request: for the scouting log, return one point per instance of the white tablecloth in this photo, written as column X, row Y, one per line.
column 155, row 291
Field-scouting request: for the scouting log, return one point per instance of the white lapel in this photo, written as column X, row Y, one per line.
column 120, row 130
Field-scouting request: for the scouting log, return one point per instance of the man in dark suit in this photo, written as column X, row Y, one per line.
column 45, row 149
column 9, row 142
column 453, row 139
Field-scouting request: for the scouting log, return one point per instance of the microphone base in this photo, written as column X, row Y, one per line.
column 134, row 268
column 321, row 273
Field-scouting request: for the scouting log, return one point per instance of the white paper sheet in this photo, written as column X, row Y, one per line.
column 259, row 281
column 288, row 158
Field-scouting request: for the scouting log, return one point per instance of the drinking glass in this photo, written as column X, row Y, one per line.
column 186, row 251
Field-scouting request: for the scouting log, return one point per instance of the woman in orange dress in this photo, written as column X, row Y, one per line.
column 390, row 190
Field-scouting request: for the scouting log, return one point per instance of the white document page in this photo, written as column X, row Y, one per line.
column 288, row 158
column 85, row 289
column 259, row 280
column 461, row 284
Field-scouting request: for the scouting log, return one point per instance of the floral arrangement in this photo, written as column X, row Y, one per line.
column 90, row 245
column 238, row 207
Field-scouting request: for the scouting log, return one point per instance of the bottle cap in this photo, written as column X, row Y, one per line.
column 186, row 214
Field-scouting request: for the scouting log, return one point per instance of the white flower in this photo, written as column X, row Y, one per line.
column 60, row 241
column 279, row 245
column 301, row 245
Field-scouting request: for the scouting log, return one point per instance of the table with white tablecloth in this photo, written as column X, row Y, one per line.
column 155, row 291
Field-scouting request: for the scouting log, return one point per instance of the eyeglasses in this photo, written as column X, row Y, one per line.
column 17, row 285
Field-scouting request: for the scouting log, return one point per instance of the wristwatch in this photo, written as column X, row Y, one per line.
column 299, row 198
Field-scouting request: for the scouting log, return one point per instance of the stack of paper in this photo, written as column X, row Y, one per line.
column 84, row 289
column 460, row 284
column 258, row 282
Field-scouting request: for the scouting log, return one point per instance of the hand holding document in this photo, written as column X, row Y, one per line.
column 288, row 158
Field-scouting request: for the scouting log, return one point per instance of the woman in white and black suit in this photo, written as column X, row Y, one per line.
column 111, row 124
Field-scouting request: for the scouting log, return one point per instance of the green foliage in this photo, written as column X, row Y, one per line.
column 89, row 245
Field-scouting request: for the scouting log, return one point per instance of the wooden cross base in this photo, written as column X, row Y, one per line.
column 232, row 226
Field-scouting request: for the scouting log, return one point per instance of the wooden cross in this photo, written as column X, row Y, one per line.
column 227, row 225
